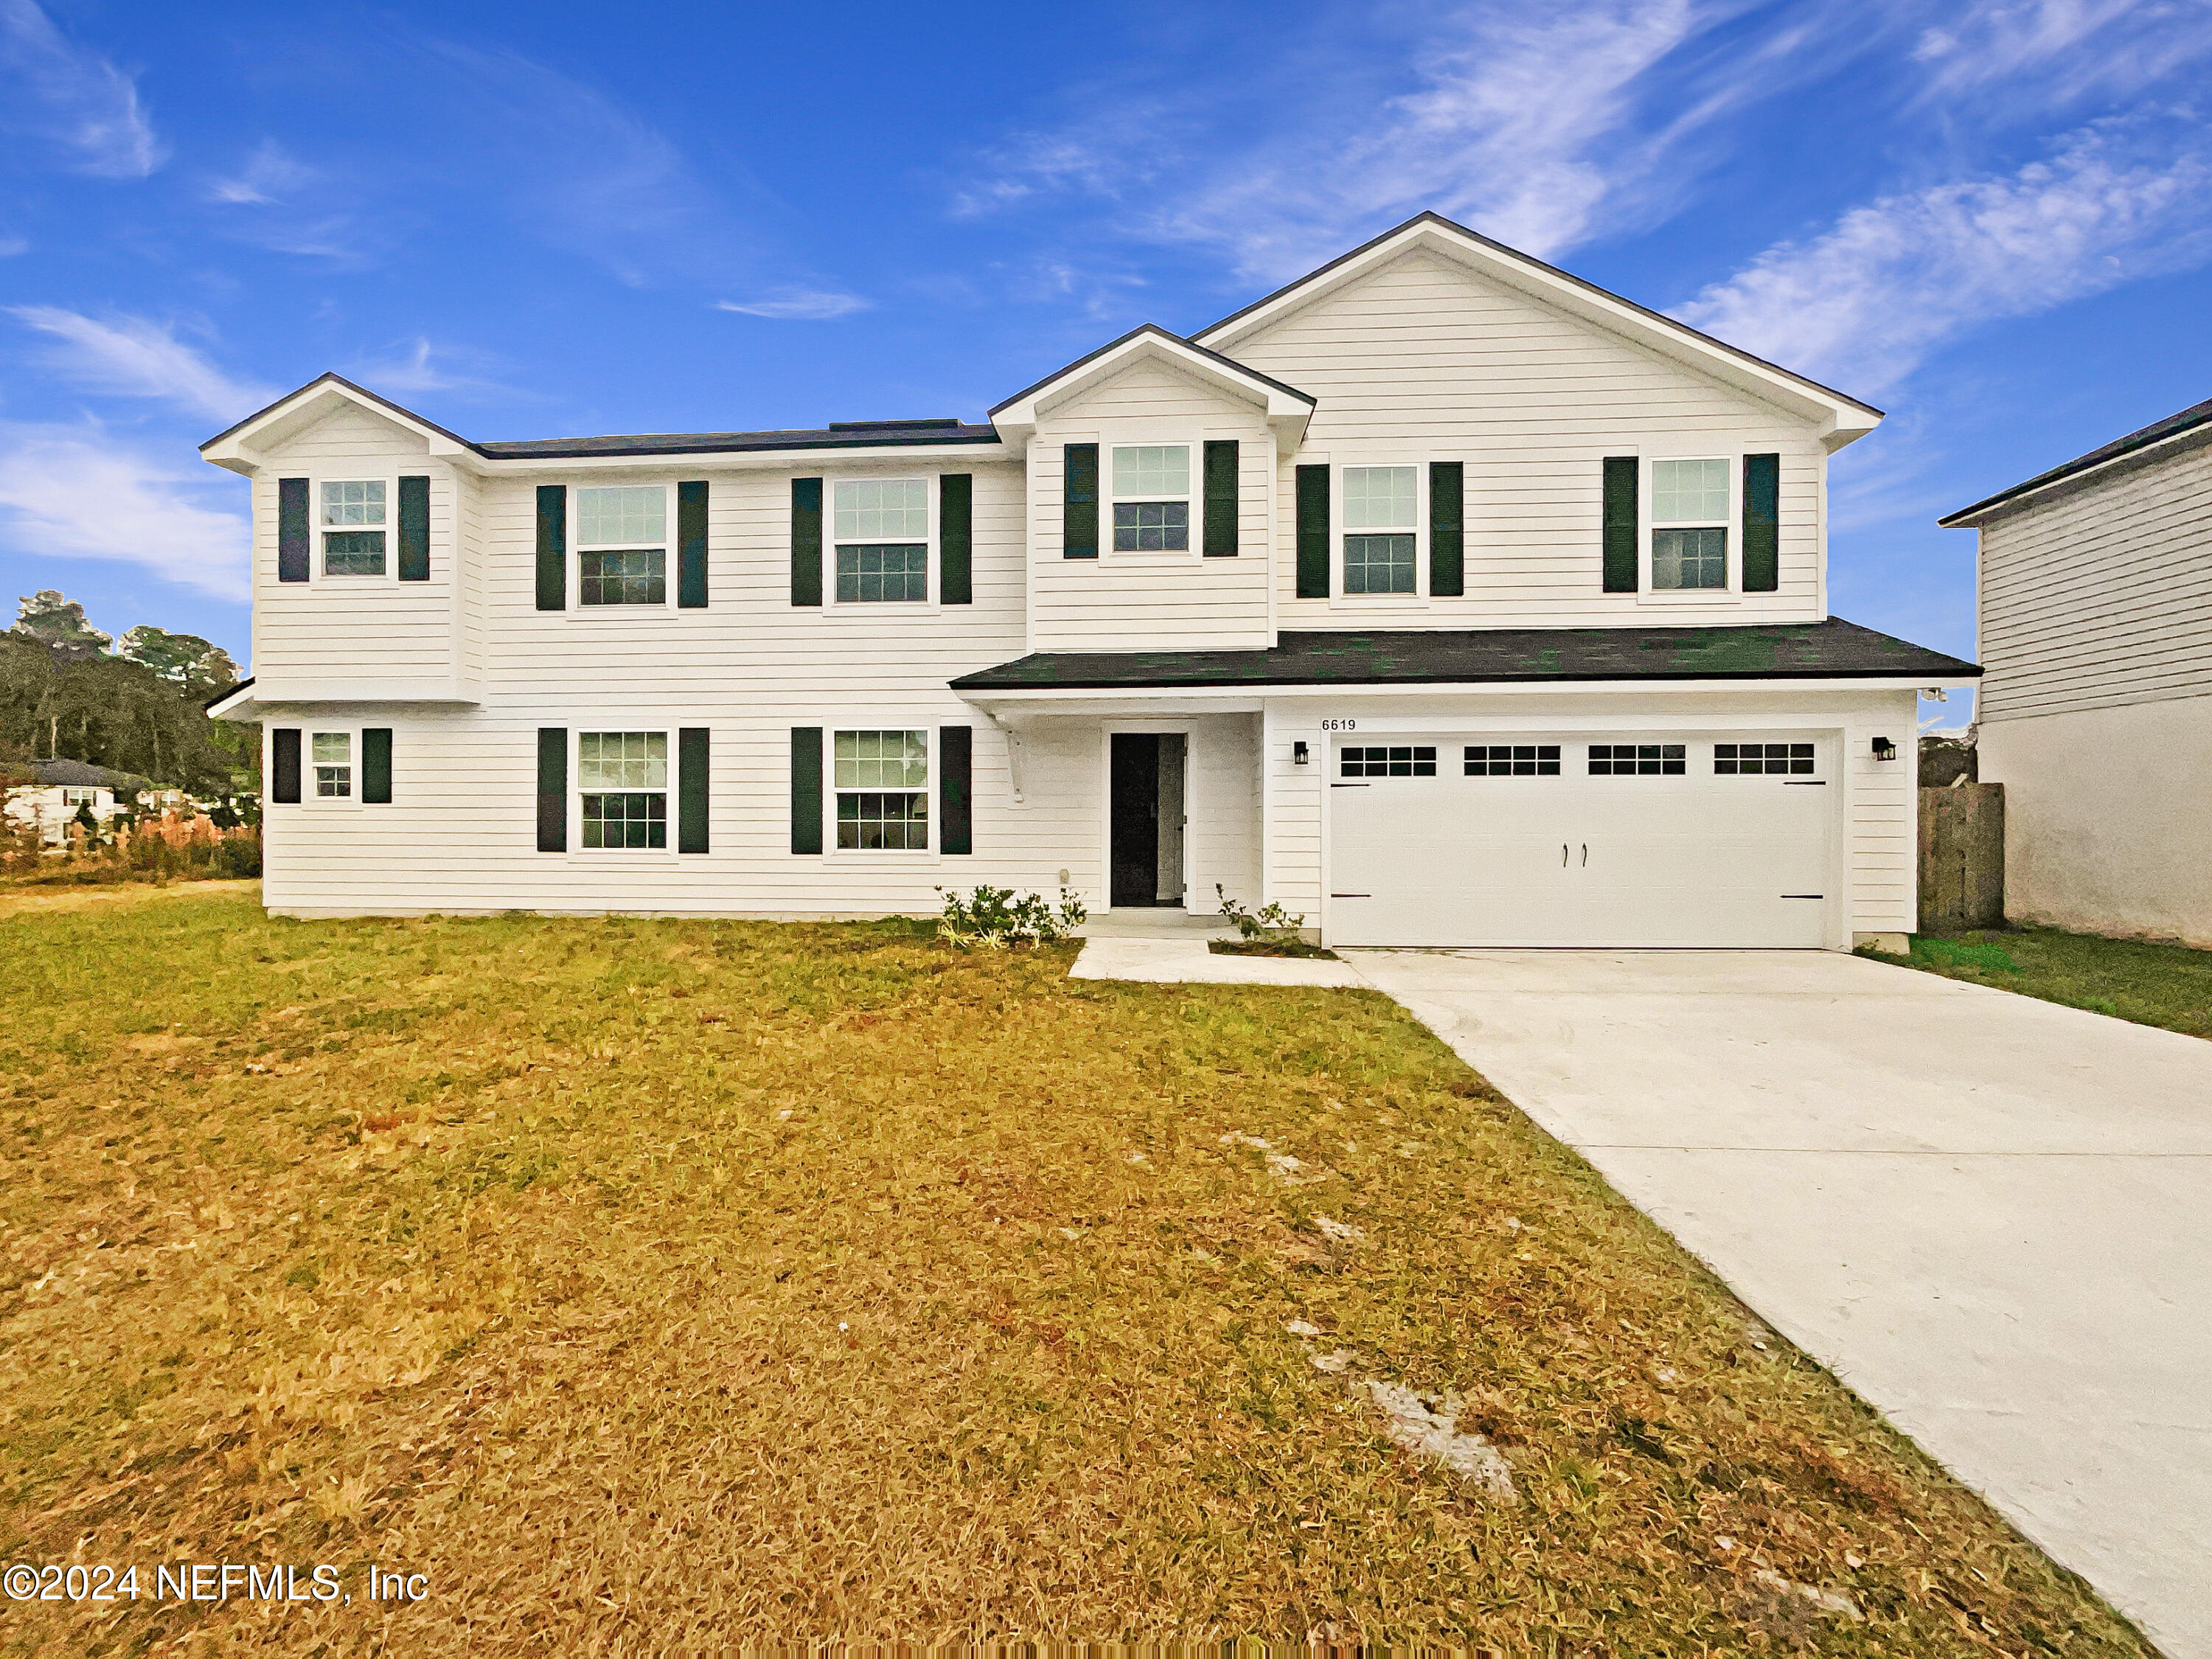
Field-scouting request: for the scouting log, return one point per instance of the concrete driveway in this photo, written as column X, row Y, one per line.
column 1992, row 1216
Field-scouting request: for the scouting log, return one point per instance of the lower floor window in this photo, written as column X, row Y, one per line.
column 1745, row 759
column 1689, row 558
column 1394, row 761
column 624, row 778
column 1632, row 760
column 1513, row 760
column 882, row 570
column 1378, row 564
column 332, row 757
column 882, row 780
column 633, row 576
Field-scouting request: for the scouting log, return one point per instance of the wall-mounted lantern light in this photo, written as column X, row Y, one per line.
column 1297, row 754
column 1884, row 748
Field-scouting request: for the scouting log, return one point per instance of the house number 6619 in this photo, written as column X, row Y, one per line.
column 1339, row 726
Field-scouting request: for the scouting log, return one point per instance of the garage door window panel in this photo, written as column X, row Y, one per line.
column 1763, row 760
column 1513, row 760
column 1390, row 761
column 1639, row 760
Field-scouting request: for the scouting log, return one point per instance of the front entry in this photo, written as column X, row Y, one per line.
column 1146, row 818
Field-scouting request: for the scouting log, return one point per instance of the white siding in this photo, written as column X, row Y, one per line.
column 1424, row 360
column 1150, row 601
column 2102, row 597
column 357, row 628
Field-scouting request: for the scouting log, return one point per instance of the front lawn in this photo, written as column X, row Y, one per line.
column 2167, row 985
column 649, row 1285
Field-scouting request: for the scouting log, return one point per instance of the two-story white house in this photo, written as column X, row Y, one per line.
column 1441, row 596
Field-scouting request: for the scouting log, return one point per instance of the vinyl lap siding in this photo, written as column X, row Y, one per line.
column 1425, row 362
column 2101, row 597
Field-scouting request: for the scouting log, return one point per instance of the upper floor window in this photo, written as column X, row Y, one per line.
column 1381, row 515
column 1152, row 498
column 1690, row 517
column 353, row 527
column 622, row 545
column 880, row 527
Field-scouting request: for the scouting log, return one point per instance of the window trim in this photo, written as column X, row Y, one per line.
column 577, row 549
column 933, row 575
column 1648, row 525
column 577, row 791
column 317, row 528
column 1418, row 599
column 932, row 790
column 308, row 730
column 1193, row 498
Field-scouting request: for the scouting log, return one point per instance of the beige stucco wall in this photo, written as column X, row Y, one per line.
column 2108, row 817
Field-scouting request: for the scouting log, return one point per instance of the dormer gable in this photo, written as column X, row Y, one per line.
column 1284, row 408
column 247, row 445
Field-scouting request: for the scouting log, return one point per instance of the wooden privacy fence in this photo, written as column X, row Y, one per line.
column 1962, row 857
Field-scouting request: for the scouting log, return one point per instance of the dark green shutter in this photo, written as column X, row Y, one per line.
column 1762, row 523
column 1079, row 502
column 691, row 545
column 1313, row 532
column 376, row 765
column 292, row 536
column 806, row 543
column 692, row 789
column 806, row 788
column 552, row 553
column 1447, row 528
column 1622, row 563
column 1221, row 499
column 414, row 529
column 956, row 535
column 955, row 800
column 552, row 788
column 284, row 765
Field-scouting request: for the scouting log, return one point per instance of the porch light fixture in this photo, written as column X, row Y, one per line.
column 1884, row 748
column 1297, row 754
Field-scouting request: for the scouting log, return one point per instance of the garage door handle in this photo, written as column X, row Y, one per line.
column 1563, row 855
column 1585, row 856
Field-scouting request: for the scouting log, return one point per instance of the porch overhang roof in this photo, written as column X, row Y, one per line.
column 1830, row 650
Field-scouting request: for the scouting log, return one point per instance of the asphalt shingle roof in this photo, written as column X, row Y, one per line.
column 1833, row 649
column 2173, row 426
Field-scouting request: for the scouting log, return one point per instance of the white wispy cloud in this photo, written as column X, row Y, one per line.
column 417, row 365
column 72, row 98
column 77, row 493
column 2070, row 48
column 1865, row 301
column 269, row 178
column 138, row 357
column 799, row 304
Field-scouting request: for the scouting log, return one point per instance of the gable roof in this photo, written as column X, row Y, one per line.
column 1829, row 650
column 1287, row 408
column 2172, row 430
column 84, row 774
column 1844, row 417
column 325, row 391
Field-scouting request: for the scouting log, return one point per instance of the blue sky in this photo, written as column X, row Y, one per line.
column 1993, row 220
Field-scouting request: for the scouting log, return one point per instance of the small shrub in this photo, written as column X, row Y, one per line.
column 993, row 918
column 1273, row 927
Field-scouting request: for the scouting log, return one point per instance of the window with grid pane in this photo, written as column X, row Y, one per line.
column 1379, row 509
column 882, row 570
column 1690, row 499
column 331, row 753
column 350, row 546
column 1513, row 760
column 1639, row 760
column 880, row 529
column 1390, row 761
column 622, row 545
column 882, row 783
column 1157, row 477
column 623, row 777
column 1762, row 759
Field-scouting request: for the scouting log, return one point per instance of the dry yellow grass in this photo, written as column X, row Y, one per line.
column 654, row 1285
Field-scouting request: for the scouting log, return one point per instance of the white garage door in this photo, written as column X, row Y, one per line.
column 1506, row 838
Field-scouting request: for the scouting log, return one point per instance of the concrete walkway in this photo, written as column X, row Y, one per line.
column 1992, row 1216
column 1185, row 960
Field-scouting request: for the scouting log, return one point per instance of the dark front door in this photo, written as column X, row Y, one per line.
column 1135, row 819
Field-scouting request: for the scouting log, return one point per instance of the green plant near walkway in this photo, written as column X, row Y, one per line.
column 991, row 918
column 2152, row 984
column 1270, row 931
column 681, row 1286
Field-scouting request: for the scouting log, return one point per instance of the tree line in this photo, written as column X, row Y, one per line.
column 69, row 691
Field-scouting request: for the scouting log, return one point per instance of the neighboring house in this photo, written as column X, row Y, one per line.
column 2096, row 714
column 63, row 787
column 1441, row 597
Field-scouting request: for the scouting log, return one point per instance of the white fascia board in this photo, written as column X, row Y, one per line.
column 1287, row 413
column 439, row 692
column 742, row 460
column 1839, row 420
column 1235, row 699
